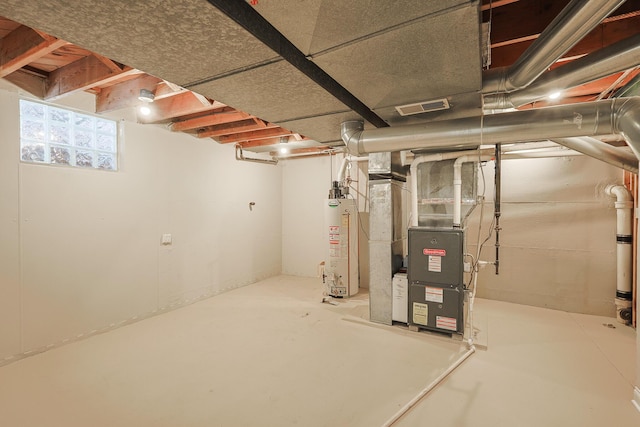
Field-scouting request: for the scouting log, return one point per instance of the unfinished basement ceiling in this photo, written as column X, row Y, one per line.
column 369, row 57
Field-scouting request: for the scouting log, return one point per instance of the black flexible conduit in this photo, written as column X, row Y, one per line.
column 498, row 196
column 246, row 16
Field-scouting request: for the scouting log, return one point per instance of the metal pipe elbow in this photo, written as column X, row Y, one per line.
column 351, row 133
column 626, row 121
column 621, row 193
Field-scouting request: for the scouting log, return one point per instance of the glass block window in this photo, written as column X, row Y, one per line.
column 54, row 135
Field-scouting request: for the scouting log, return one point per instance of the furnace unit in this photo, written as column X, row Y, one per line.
column 436, row 282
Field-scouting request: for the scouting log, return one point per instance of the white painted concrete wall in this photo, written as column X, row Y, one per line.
column 558, row 247
column 80, row 249
column 305, row 187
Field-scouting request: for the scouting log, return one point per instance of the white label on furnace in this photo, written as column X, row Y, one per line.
column 448, row 323
column 420, row 313
column 435, row 263
column 433, row 294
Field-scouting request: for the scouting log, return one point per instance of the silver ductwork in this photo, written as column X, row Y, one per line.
column 620, row 115
column 614, row 58
column 597, row 149
column 575, row 21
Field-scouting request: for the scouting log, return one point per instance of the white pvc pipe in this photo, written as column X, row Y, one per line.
column 457, row 183
column 345, row 163
column 428, row 388
column 424, row 158
column 624, row 236
column 359, row 159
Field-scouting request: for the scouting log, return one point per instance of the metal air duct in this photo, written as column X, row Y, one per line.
column 614, row 58
column 597, row 149
column 575, row 21
column 621, row 115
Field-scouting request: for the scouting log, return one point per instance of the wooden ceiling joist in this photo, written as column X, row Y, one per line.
column 23, row 46
column 494, row 4
column 82, row 75
column 277, row 132
column 213, row 119
column 183, row 104
column 124, row 94
column 605, row 34
column 234, row 128
column 165, row 89
column 28, row 82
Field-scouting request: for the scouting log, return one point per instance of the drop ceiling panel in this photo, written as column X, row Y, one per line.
column 276, row 92
column 317, row 25
column 412, row 63
column 181, row 41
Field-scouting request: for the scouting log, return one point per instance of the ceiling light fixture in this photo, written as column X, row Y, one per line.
column 555, row 95
column 145, row 110
column 146, row 95
column 284, row 150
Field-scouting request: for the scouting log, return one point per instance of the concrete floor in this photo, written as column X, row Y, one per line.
column 271, row 354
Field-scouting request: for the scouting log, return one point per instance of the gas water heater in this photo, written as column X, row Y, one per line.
column 341, row 265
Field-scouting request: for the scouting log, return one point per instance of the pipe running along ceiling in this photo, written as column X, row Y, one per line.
column 614, row 116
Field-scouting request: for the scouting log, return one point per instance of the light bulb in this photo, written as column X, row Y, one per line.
column 555, row 95
column 145, row 110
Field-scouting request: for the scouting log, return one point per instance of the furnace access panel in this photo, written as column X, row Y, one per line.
column 436, row 274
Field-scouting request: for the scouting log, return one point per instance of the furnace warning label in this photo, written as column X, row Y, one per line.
column 435, row 264
column 437, row 252
column 434, row 294
column 448, row 323
column 420, row 313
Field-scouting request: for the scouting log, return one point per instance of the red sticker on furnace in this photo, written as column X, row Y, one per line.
column 436, row 252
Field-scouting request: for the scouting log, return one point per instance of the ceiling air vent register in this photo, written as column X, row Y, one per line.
column 423, row 107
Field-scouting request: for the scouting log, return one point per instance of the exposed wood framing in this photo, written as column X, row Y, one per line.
column 166, row 109
column 28, row 82
column 125, row 94
column 82, row 75
column 497, row 3
column 23, row 46
column 233, row 128
column 216, row 118
column 254, row 135
column 515, row 26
